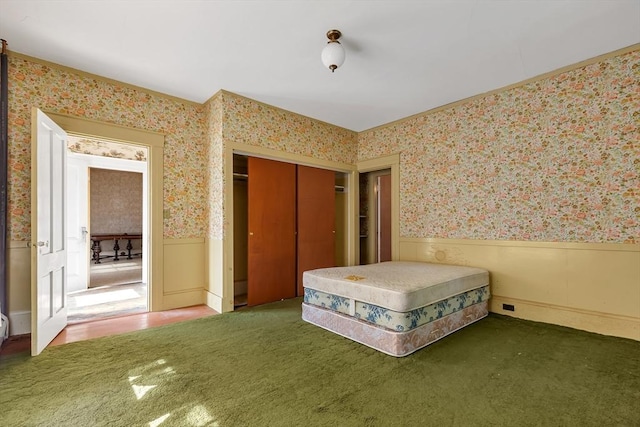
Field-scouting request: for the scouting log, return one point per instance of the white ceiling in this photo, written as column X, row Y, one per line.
column 403, row 57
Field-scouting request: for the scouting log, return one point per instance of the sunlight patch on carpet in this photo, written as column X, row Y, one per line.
column 106, row 297
column 141, row 390
column 159, row 420
column 199, row 416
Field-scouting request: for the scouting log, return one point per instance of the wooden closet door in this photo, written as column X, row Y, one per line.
column 272, row 227
column 316, row 220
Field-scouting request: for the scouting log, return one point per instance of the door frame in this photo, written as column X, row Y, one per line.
column 77, row 225
column 224, row 281
column 154, row 142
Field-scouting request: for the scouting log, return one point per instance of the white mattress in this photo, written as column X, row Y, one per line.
column 397, row 285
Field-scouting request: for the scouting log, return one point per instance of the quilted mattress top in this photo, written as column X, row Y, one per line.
column 397, row 285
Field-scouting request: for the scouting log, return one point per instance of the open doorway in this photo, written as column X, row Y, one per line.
column 107, row 229
column 375, row 216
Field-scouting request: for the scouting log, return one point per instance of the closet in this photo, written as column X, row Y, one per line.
column 375, row 216
column 286, row 214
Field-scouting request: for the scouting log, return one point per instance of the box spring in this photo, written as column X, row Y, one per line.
column 391, row 342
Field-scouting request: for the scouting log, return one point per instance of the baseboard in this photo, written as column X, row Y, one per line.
column 601, row 323
column 19, row 323
column 213, row 301
column 4, row 328
column 186, row 298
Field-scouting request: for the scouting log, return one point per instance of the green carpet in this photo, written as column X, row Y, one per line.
column 266, row 367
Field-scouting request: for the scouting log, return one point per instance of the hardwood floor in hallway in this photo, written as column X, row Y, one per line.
column 112, row 326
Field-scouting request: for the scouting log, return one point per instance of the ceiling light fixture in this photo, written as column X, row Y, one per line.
column 333, row 53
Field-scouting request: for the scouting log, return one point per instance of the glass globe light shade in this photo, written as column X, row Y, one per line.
column 333, row 55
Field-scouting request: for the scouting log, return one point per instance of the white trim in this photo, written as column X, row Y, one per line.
column 19, row 323
column 213, row 301
column 154, row 141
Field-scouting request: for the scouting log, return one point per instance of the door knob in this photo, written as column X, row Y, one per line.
column 40, row 244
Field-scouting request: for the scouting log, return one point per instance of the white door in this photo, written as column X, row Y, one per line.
column 48, row 222
column 77, row 224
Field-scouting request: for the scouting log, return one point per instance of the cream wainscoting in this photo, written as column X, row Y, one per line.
column 588, row 286
column 183, row 272
column 182, row 285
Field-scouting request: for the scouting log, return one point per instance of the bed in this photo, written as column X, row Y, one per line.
column 395, row 307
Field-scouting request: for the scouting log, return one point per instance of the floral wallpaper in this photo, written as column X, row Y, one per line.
column 215, row 156
column 553, row 160
column 113, row 210
column 102, row 148
column 253, row 123
column 33, row 84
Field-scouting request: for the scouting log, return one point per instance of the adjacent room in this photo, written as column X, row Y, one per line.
column 239, row 213
column 106, row 225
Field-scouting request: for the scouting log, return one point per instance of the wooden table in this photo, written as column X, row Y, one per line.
column 96, row 247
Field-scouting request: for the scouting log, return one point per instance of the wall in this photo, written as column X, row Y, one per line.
column 116, row 201
column 100, row 148
column 214, row 151
column 554, row 160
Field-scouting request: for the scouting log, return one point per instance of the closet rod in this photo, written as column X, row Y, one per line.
column 240, row 175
